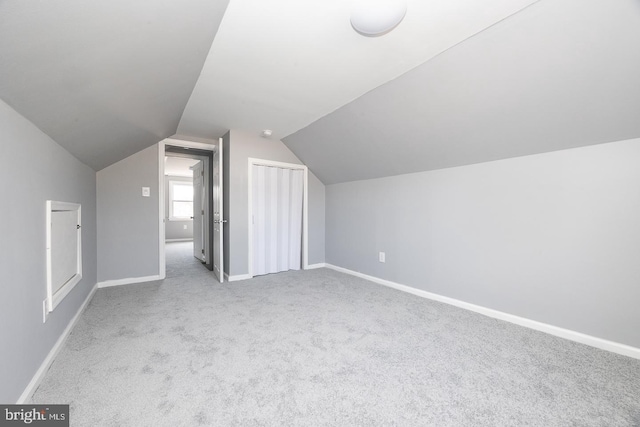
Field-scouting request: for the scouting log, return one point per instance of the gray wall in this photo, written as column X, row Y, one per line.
column 33, row 169
column 552, row 237
column 175, row 229
column 127, row 222
column 316, row 220
column 241, row 146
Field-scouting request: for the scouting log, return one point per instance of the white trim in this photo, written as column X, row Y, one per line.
column 314, row 266
column 589, row 340
column 305, row 221
column 220, row 211
column 273, row 163
column 46, row 363
column 162, row 265
column 237, row 277
column 305, row 208
column 187, row 239
column 190, row 144
column 162, row 273
column 128, row 281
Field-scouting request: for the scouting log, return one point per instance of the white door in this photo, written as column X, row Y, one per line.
column 218, row 221
column 277, row 210
column 198, row 212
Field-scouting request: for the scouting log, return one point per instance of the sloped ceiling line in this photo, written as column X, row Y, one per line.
column 284, row 64
column 104, row 79
column 107, row 79
column 557, row 75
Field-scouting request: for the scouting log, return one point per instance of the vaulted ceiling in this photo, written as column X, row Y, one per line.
column 560, row 74
column 457, row 82
column 104, row 79
column 283, row 64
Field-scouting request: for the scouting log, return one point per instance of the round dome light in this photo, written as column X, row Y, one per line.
column 373, row 18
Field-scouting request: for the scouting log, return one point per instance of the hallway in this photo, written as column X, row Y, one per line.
column 181, row 262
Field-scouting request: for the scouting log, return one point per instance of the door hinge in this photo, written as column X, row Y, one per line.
column 202, row 211
column 202, row 251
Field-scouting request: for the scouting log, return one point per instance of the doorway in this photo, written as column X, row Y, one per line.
column 185, row 201
column 192, row 205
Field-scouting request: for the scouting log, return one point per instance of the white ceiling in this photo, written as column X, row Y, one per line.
column 558, row 75
column 282, row 64
column 457, row 82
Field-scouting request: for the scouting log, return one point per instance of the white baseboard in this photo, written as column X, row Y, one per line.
column 592, row 341
column 178, row 240
column 128, row 281
column 237, row 277
column 46, row 363
column 314, row 266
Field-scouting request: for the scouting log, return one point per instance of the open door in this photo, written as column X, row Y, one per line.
column 218, row 221
column 207, row 200
column 199, row 201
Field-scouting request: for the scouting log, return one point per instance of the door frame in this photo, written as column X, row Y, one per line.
column 206, row 203
column 161, row 205
column 305, row 207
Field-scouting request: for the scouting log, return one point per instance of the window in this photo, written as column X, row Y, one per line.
column 180, row 200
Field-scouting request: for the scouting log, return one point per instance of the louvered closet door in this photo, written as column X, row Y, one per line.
column 277, row 219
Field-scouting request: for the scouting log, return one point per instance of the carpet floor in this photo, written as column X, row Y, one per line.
column 321, row 348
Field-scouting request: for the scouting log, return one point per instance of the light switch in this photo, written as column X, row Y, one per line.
column 146, row 192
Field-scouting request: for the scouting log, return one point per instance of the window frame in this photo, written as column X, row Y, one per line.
column 173, row 183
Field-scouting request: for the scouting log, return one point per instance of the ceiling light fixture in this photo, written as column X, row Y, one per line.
column 374, row 18
column 266, row 133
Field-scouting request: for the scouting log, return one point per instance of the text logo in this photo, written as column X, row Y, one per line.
column 34, row 415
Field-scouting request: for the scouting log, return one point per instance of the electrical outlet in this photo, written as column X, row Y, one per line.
column 381, row 257
column 184, row 227
column 146, row 192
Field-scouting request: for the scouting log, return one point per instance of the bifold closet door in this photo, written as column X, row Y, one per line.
column 277, row 219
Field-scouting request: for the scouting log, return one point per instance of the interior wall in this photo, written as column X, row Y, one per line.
column 316, row 220
column 128, row 222
column 552, row 237
column 33, row 169
column 241, row 146
column 175, row 229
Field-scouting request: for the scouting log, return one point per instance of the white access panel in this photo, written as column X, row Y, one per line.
column 64, row 250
